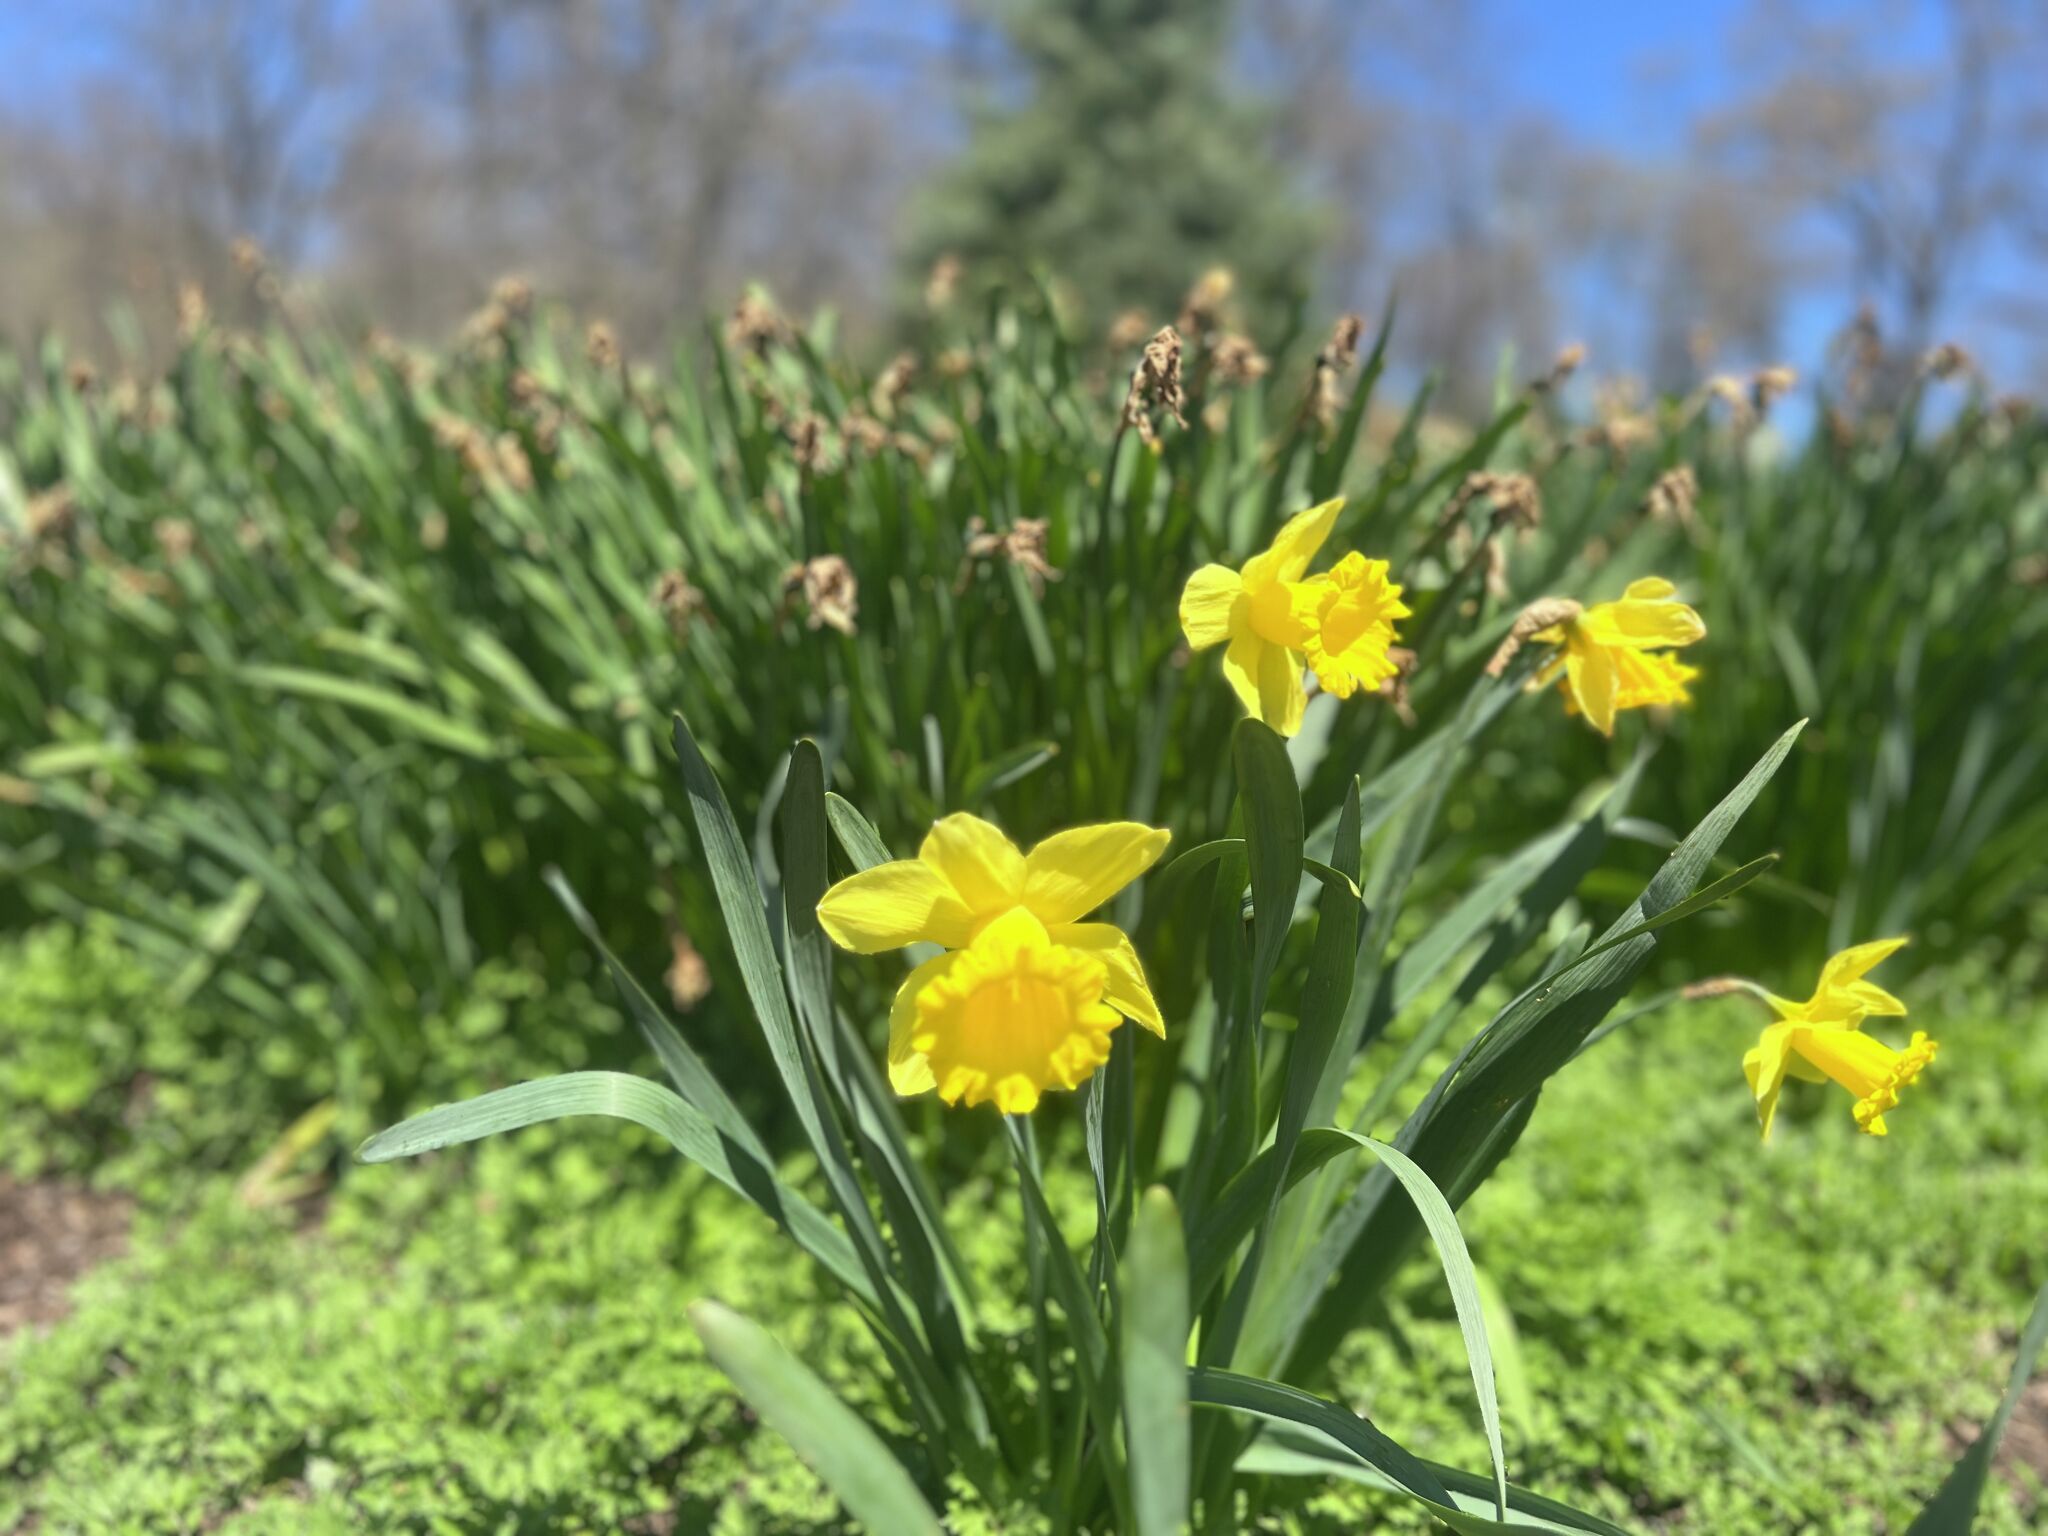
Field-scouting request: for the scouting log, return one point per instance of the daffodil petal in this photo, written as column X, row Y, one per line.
column 1873, row 1001
column 1640, row 623
column 1293, row 546
column 1856, row 962
column 1241, row 665
column 1283, row 698
column 910, row 1073
column 982, row 866
column 1072, row 873
column 902, row 902
column 1764, row 1065
column 1207, row 602
column 1127, row 991
column 1649, row 589
column 1589, row 672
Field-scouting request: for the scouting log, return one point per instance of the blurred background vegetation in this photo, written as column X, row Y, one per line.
column 1718, row 186
column 390, row 438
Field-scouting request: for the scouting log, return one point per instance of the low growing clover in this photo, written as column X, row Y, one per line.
column 1026, row 994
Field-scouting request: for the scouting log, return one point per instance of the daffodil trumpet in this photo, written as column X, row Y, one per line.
column 1616, row 656
column 1026, row 995
column 1821, row 1039
column 1276, row 621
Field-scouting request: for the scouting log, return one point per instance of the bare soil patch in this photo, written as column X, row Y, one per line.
column 51, row 1232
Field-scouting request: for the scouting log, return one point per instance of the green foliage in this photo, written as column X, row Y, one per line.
column 1179, row 177
column 314, row 656
column 1684, row 1301
column 1727, row 1337
column 105, row 1078
column 497, row 1354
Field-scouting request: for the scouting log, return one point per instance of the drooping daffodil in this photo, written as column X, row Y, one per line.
column 1026, row 994
column 1822, row 1039
column 1276, row 619
column 1616, row 656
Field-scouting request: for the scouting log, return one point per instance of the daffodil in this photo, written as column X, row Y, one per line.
column 1616, row 656
column 1822, row 1039
column 1275, row 620
column 1026, row 995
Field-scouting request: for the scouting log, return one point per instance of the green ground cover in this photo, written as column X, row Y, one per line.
column 1713, row 1336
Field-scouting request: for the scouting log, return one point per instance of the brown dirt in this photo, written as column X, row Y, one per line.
column 2026, row 1433
column 51, row 1232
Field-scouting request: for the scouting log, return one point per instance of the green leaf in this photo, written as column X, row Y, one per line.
column 1289, row 1451
column 1154, row 1340
column 409, row 715
column 624, row 1097
column 832, row 1439
column 693, row 1079
column 1953, row 1511
column 1273, row 838
column 1469, row 1125
column 856, row 834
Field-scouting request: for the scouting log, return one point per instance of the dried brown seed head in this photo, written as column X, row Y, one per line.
column 1544, row 613
column 943, row 285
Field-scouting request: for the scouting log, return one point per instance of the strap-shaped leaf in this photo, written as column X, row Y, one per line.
column 693, row 1078
column 1953, row 1511
column 624, row 1097
column 832, row 1439
column 1289, row 1451
column 1153, row 1336
column 1479, row 1113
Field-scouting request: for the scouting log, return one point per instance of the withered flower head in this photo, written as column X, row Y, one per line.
column 1771, row 384
column 513, row 465
column 1237, row 360
column 1202, row 309
column 807, row 444
column 829, row 591
column 1673, row 496
column 247, row 256
column 1395, row 689
column 1022, row 544
column 892, row 383
column 1516, row 500
column 191, row 311
column 1155, row 385
column 677, row 601
column 754, row 325
column 1540, row 615
column 1948, row 361
column 1562, row 367
column 513, row 295
column 943, row 285
column 50, row 514
column 174, row 537
column 601, row 346
column 688, row 977
column 1325, row 398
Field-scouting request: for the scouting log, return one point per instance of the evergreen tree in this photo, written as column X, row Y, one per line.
column 1122, row 163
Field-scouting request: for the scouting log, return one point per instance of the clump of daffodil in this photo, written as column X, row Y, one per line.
column 1616, row 656
column 1026, row 995
column 1822, row 1038
column 1276, row 619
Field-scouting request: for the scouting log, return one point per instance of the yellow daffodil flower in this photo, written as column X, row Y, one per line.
column 1821, row 1039
column 1276, row 619
column 1614, row 656
column 1026, row 995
